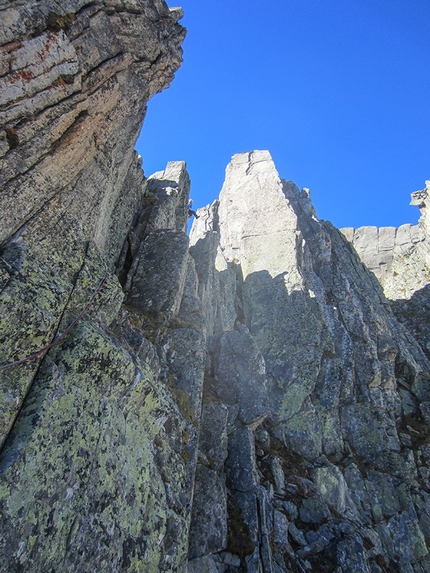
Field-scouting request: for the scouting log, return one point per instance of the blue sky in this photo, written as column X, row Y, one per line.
column 337, row 90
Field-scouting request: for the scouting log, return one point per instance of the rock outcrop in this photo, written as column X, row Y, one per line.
column 254, row 403
column 320, row 394
column 400, row 259
column 99, row 429
column 74, row 87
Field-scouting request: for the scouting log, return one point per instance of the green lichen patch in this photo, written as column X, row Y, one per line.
column 79, row 464
column 31, row 305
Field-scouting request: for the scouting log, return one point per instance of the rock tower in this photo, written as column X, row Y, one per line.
column 252, row 399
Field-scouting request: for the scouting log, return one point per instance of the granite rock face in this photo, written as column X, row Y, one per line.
column 256, row 402
column 400, row 260
column 97, row 471
column 98, row 432
column 75, row 83
column 329, row 473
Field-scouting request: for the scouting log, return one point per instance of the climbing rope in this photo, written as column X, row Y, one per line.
column 68, row 329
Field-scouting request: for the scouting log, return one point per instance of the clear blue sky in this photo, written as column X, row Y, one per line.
column 337, row 90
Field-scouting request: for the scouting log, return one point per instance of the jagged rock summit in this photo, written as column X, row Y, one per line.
column 249, row 400
column 335, row 457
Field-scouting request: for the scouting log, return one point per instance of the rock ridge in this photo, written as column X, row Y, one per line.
column 252, row 399
column 341, row 385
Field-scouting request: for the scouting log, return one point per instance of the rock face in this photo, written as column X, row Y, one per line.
column 254, row 403
column 75, row 86
column 400, row 259
column 320, row 394
column 99, row 432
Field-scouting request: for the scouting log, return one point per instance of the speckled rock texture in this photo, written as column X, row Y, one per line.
column 254, row 403
column 75, row 83
column 99, row 433
column 326, row 392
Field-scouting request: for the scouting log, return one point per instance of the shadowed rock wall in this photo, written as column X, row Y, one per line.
column 320, row 394
column 252, row 404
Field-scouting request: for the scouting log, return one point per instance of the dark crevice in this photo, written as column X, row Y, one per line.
column 101, row 65
column 239, row 541
column 12, row 138
column 133, row 245
column 238, row 302
column 112, row 10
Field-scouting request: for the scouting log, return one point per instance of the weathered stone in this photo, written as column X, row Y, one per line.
column 159, row 281
column 210, row 495
column 314, row 510
column 408, row 541
column 213, row 434
column 303, row 433
column 65, row 165
column 290, row 510
column 203, row 565
column 241, row 469
column 95, row 461
column 333, row 356
column 240, row 375
column 58, row 98
column 331, row 483
column 170, row 189
column 351, row 555
column 400, row 260
column 280, row 532
column 297, row 535
column 208, row 530
column 321, row 538
column 109, row 462
column 94, row 416
column 278, row 475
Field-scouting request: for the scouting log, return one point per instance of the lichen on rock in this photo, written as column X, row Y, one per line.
column 344, row 378
column 98, row 459
column 257, row 401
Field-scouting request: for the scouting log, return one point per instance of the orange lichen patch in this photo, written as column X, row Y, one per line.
column 59, row 82
column 25, row 75
column 51, row 40
column 63, row 81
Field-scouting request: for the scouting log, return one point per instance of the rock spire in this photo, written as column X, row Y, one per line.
column 323, row 394
column 252, row 399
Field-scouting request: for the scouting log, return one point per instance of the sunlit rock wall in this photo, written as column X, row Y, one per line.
column 320, row 395
column 254, row 403
column 400, row 259
column 98, row 433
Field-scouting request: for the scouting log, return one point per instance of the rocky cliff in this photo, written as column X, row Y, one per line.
column 322, row 393
column 254, row 402
column 98, row 430
column 400, row 260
